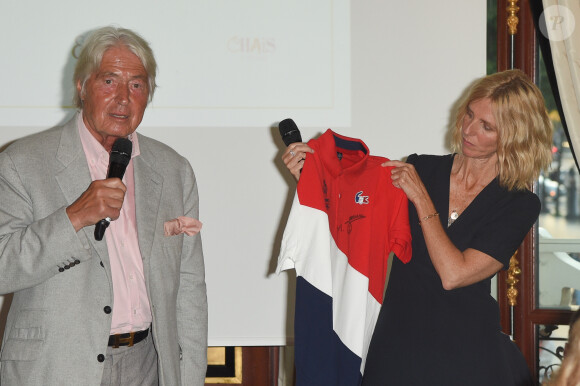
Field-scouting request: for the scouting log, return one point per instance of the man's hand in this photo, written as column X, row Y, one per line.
column 103, row 198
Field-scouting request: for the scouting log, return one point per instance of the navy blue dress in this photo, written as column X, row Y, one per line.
column 426, row 335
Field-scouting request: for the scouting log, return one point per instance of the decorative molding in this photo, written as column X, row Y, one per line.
column 512, row 280
column 512, row 19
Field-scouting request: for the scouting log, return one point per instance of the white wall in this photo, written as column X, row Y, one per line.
column 407, row 64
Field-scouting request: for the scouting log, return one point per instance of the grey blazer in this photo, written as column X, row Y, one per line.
column 57, row 324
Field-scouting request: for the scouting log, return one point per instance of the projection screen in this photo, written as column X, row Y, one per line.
column 388, row 72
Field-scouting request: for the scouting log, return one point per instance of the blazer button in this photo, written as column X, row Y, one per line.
column 107, row 310
column 101, row 358
column 102, row 265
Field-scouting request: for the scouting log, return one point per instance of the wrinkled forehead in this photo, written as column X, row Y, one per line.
column 122, row 57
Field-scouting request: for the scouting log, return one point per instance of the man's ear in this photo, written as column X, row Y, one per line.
column 80, row 90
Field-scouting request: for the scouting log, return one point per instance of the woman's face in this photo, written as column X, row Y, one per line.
column 479, row 130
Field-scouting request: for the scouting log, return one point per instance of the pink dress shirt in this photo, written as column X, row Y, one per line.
column 131, row 309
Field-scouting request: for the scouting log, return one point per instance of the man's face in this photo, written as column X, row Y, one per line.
column 115, row 96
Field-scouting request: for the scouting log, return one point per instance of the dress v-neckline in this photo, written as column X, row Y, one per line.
column 478, row 196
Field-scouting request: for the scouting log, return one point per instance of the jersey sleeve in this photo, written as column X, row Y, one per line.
column 290, row 239
column 399, row 230
column 306, row 233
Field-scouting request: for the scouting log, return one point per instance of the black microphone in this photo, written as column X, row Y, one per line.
column 118, row 161
column 289, row 131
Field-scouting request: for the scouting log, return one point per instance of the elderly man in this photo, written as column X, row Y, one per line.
column 130, row 309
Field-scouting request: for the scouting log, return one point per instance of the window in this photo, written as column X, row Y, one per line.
column 558, row 265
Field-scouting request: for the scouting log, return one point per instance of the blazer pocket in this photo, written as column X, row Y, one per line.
column 172, row 246
column 25, row 338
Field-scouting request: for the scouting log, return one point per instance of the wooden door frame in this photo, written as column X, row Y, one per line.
column 526, row 315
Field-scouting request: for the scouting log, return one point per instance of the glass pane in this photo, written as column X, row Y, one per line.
column 491, row 36
column 559, row 273
column 558, row 265
column 551, row 343
column 558, row 188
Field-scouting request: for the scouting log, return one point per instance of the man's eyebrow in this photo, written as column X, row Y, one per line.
column 114, row 74
column 107, row 73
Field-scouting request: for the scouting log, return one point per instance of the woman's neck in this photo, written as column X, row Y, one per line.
column 473, row 173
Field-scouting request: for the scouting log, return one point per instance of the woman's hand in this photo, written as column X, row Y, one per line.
column 455, row 268
column 294, row 157
column 404, row 176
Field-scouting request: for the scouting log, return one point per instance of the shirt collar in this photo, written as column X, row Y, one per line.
column 93, row 148
column 331, row 143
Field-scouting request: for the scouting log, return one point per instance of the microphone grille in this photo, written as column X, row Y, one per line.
column 121, row 150
column 289, row 131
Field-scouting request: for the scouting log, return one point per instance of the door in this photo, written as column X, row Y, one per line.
column 541, row 290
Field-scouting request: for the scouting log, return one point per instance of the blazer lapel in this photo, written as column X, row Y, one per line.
column 148, row 188
column 74, row 178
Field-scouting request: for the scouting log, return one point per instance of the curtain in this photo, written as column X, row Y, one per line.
column 558, row 31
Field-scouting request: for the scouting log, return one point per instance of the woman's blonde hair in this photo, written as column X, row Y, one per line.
column 524, row 129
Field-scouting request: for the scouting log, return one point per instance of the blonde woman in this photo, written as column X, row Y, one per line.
column 469, row 211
